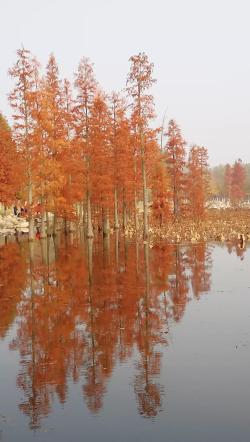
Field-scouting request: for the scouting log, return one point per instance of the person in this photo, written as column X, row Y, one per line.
column 15, row 211
column 38, row 234
column 24, row 210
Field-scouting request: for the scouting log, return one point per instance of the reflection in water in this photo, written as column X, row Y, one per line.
column 11, row 263
column 239, row 249
column 81, row 308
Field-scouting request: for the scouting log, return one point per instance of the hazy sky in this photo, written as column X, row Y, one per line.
column 200, row 49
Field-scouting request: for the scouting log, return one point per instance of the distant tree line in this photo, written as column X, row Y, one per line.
column 231, row 181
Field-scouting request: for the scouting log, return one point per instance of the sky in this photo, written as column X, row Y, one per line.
column 200, row 51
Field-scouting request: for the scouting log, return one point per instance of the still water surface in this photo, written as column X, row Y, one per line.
column 121, row 342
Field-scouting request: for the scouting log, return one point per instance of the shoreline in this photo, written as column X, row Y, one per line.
column 217, row 226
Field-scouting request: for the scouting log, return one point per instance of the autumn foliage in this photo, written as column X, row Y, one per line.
column 71, row 329
column 197, row 181
column 235, row 182
column 10, row 165
column 93, row 159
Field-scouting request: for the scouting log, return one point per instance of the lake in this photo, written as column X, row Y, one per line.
column 118, row 341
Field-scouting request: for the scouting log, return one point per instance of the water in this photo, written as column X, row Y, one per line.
column 124, row 342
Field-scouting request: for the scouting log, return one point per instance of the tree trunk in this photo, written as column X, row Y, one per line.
column 90, row 259
column 31, row 219
column 66, row 229
column 125, row 220
column 71, row 226
column 82, row 213
column 137, row 256
column 48, row 224
column 106, row 250
column 43, row 252
column 145, row 200
column 43, row 225
column 117, row 247
column 136, row 216
column 54, row 224
column 116, row 226
column 106, row 225
column 90, row 233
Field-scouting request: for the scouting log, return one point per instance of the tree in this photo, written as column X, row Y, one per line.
column 100, row 174
column 86, row 86
column 123, row 163
column 10, row 165
column 238, row 182
column 160, row 191
column 139, row 80
column 218, row 178
column 228, row 180
column 197, row 181
column 117, row 116
column 56, row 136
column 21, row 99
column 73, row 190
column 176, row 161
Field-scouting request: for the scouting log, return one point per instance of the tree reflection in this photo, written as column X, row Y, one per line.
column 238, row 248
column 11, row 260
column 178, row 284
column 50, row 343
column 149, row 334
column 200, row 263
column 87, row 307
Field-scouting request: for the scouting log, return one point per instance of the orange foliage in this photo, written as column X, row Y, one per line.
column 197, row 181
column 10, row 165
column 80, row 328
column 93, row 159
column 175, row 160
column 10, row 288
